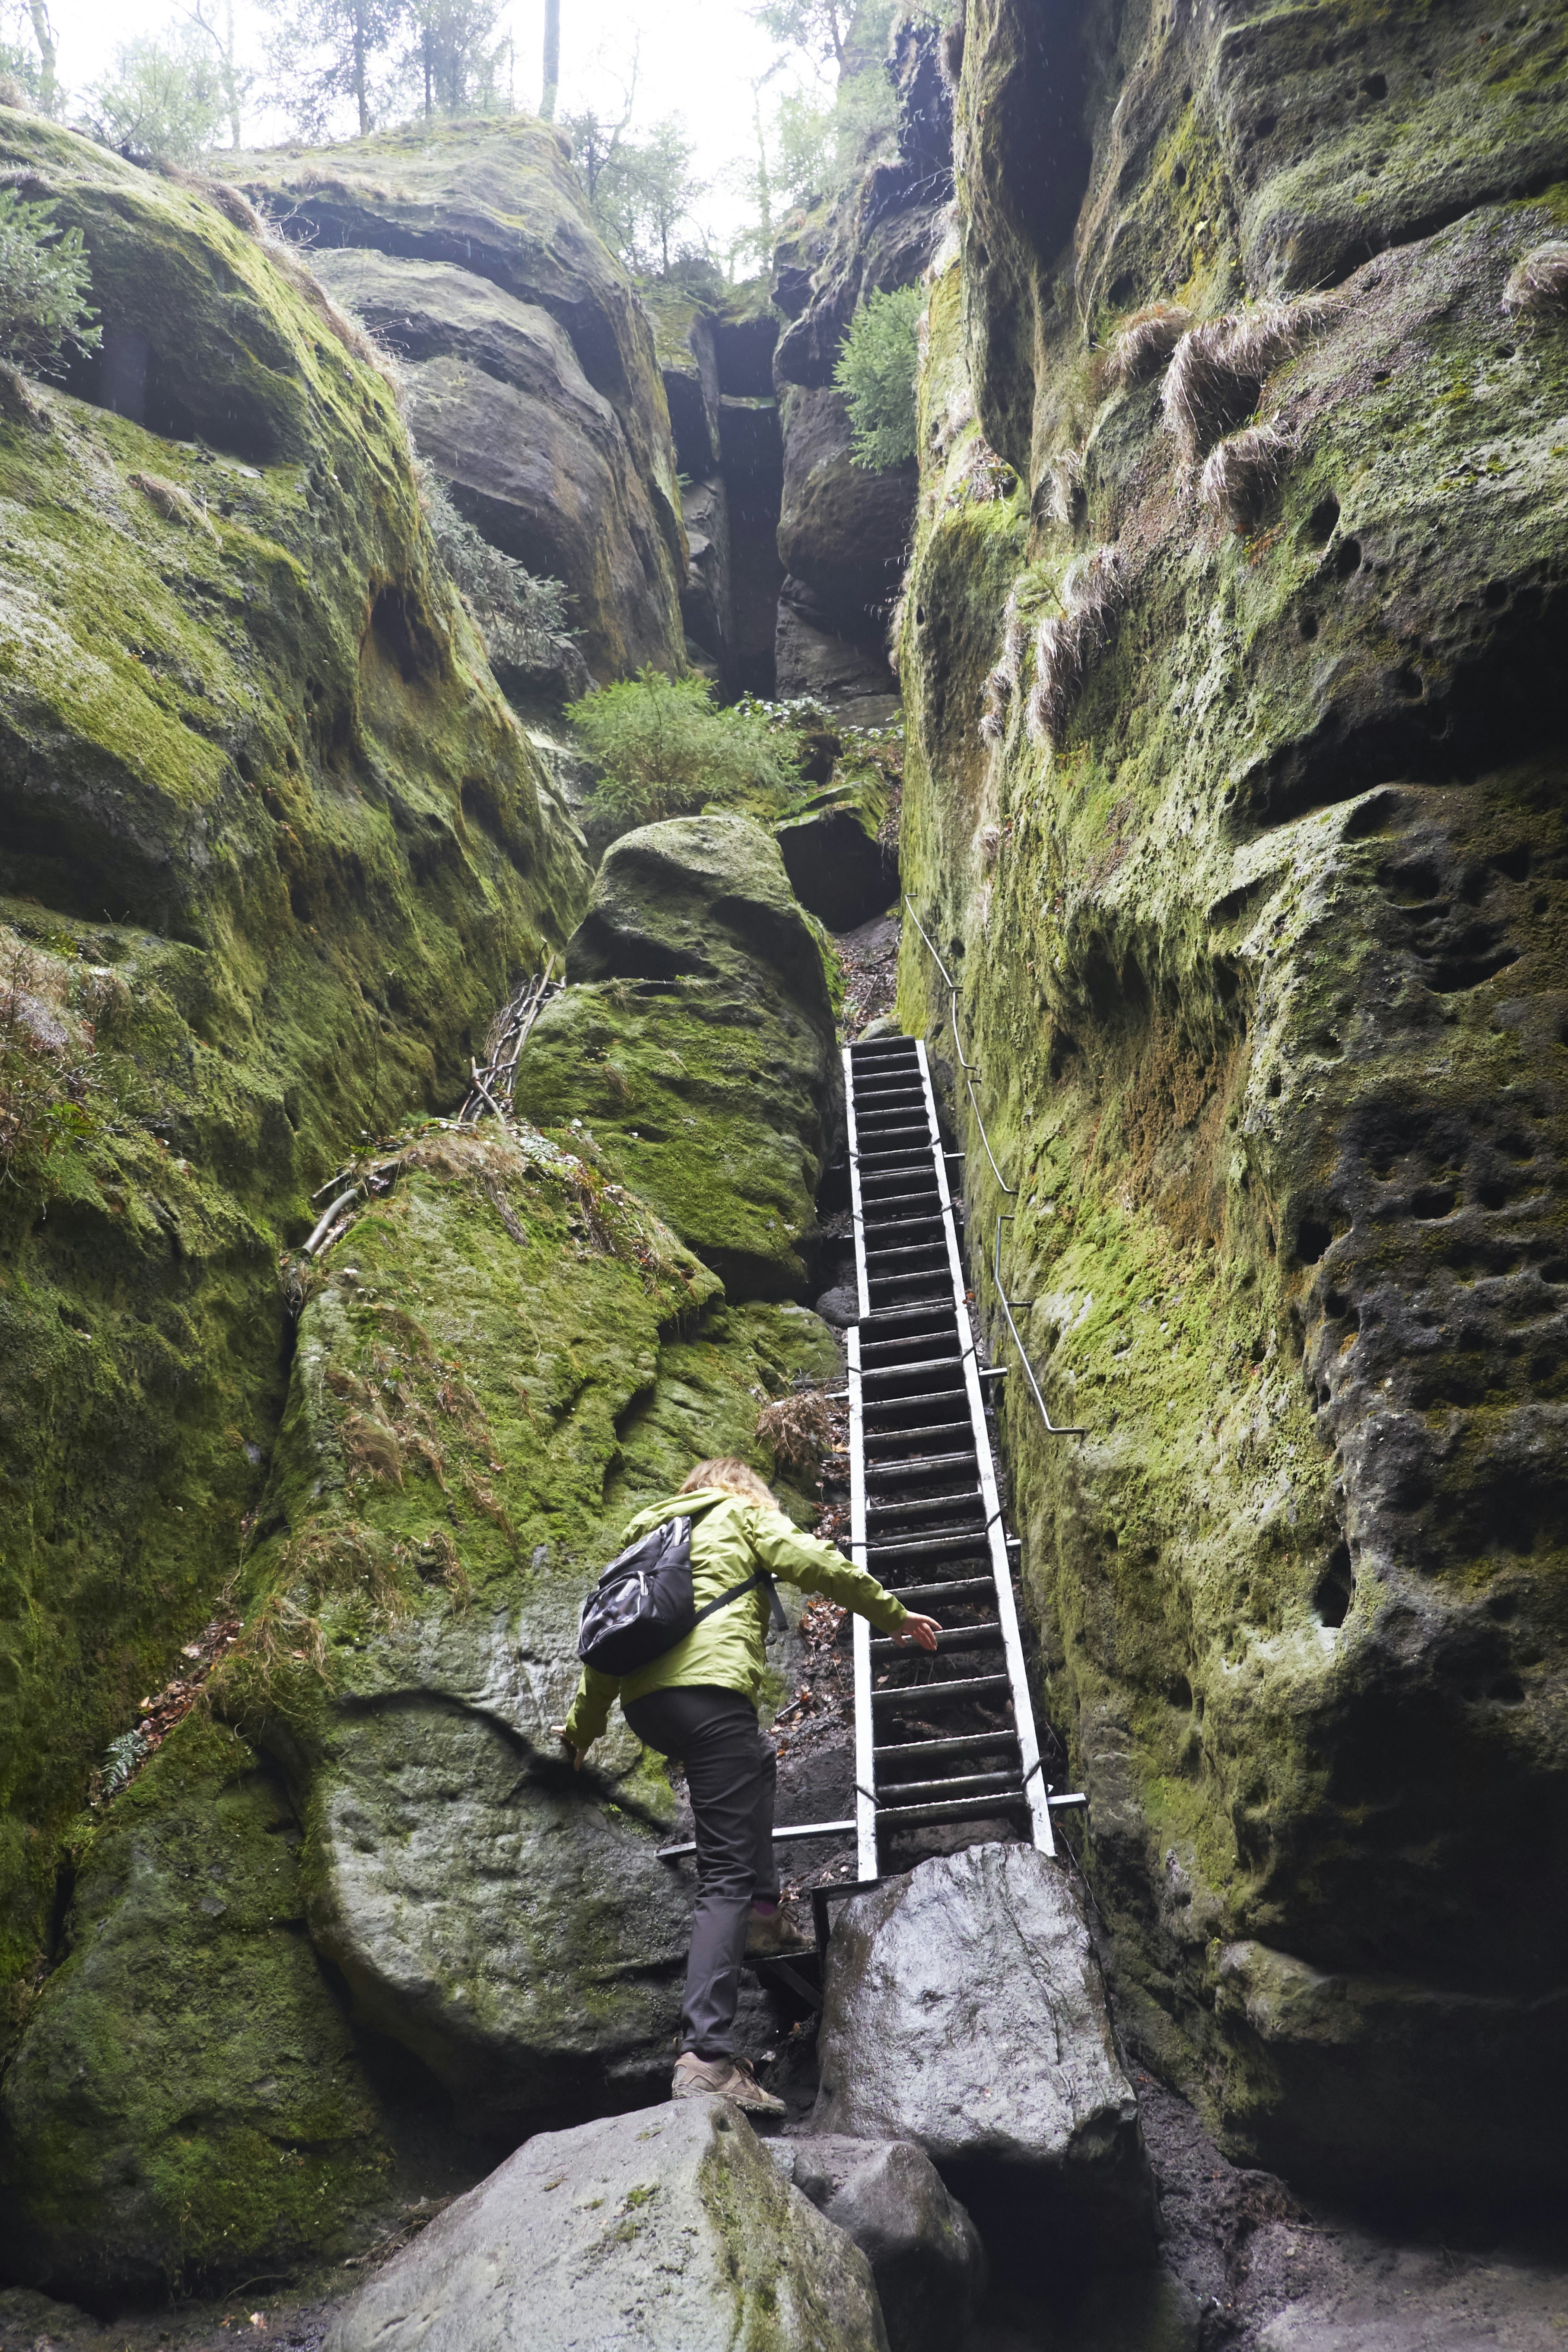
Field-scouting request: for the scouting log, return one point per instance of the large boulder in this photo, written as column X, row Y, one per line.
column 696, row 1042
column 925, row 2251
column 500, row 1360
column 538, row 461
column 963, row 2009
column 839, row 865
column 667, row 2227
column 497, row 201
column 1260, row 916
column 844, row 529
column 271, row 846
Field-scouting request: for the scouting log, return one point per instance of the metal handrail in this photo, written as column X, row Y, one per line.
column 970, row 1069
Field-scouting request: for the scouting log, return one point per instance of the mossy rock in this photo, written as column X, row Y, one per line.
column 510, row 1357
column 270, row 837
column 1262, row 961
column 696, row 1042
column 188, row 2101
column 838, row 864
column 500, row 199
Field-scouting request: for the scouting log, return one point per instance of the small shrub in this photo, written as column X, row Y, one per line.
column 1241, row 475
column 1538, row 285
column 165, row 99
column 45, row 281
column 797, row 1428
column 875, row 372
column 521, row 617
column 666, row 748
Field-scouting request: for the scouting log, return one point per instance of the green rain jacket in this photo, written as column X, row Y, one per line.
column 730, row 1541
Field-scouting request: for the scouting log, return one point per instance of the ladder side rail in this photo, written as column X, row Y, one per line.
column 857, row 1211
column 865, row 1727
column 996, row 1537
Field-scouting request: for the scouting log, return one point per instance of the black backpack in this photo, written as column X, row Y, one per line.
column 644, row 1603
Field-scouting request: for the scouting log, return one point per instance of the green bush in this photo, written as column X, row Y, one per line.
column 666, row 748
column 521, row 616
column 875, row 372
column 45, row 281
column 166, row 100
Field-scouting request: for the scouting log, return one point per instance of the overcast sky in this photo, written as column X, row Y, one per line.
column 697, row 59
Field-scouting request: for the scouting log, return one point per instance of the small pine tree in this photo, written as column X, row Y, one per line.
column 45, row 281
column 875, row 372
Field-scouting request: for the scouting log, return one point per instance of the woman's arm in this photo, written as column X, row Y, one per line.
column 817, row 1566
column 589, row 1712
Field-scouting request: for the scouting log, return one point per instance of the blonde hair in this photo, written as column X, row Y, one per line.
column 728, row 1471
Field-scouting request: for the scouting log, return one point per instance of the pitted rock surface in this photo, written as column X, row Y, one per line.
column 668, row 2229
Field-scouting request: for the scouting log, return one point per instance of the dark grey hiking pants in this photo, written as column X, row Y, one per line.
column 729, row 1769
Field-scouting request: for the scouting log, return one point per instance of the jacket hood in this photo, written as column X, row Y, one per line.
column 675, row 1507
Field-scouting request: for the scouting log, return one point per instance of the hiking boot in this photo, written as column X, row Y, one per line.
column 723, row 2078
column 770, row 1937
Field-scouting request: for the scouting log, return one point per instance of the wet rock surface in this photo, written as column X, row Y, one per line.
column 669, row 2227
column 925, row 2251
column 963, row 2009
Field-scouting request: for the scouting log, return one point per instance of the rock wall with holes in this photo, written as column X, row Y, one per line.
column 1235, row 801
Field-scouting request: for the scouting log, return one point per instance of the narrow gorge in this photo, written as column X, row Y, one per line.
column 1168, row 747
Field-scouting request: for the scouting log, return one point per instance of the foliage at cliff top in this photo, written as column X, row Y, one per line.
column 875, row 372
column 45, row 285
column 667, row 749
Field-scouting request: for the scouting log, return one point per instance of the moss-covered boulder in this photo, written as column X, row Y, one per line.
column 696, row 1042
column 841, row 864
column 272, row 844
column 1235, row 797
column 503, row 1358
column 190, row 2098
column 581, row 488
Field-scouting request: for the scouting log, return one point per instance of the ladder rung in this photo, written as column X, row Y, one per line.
column 920, row 1465
column 908, row 1436
column 892, row 1794
column 879, row 1405
column 958, row 1587
column 959, row 1637
column 928, row 1311
column 963, row 1743
column 913, row 1506
column 907, row 1371
column 957, row 1808
column 976, row 1541
column 927, row 1694
column 937, row 1249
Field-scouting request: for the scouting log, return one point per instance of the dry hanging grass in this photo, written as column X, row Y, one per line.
column 1002, row 683
column 1065, row 473
column 1538, row 285
column 1144, row 342
column 1241, row 475
column 1220, row 369
column 1067, row 647
column 797, row 1428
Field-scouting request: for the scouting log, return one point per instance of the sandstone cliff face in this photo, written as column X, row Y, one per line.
column 530, row 375
column 1235, row 800
column 270, row 834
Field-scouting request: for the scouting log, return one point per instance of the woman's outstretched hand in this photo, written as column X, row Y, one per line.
column 923, row 1629
column 576, row 1754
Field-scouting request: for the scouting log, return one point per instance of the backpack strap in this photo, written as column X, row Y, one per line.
column 735, row 1590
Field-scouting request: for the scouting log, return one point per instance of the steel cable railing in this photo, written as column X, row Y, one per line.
column 972, row 1071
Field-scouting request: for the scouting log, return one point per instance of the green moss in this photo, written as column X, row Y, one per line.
column 269, row 825
column 188, row 2100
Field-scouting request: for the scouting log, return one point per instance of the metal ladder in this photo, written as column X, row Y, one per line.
column 949, row 1737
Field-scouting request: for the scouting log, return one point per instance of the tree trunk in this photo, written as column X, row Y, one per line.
column 360, row 44
column 44, row 34
column 552, row 60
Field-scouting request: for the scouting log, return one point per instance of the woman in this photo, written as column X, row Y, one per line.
column 698, row 1704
